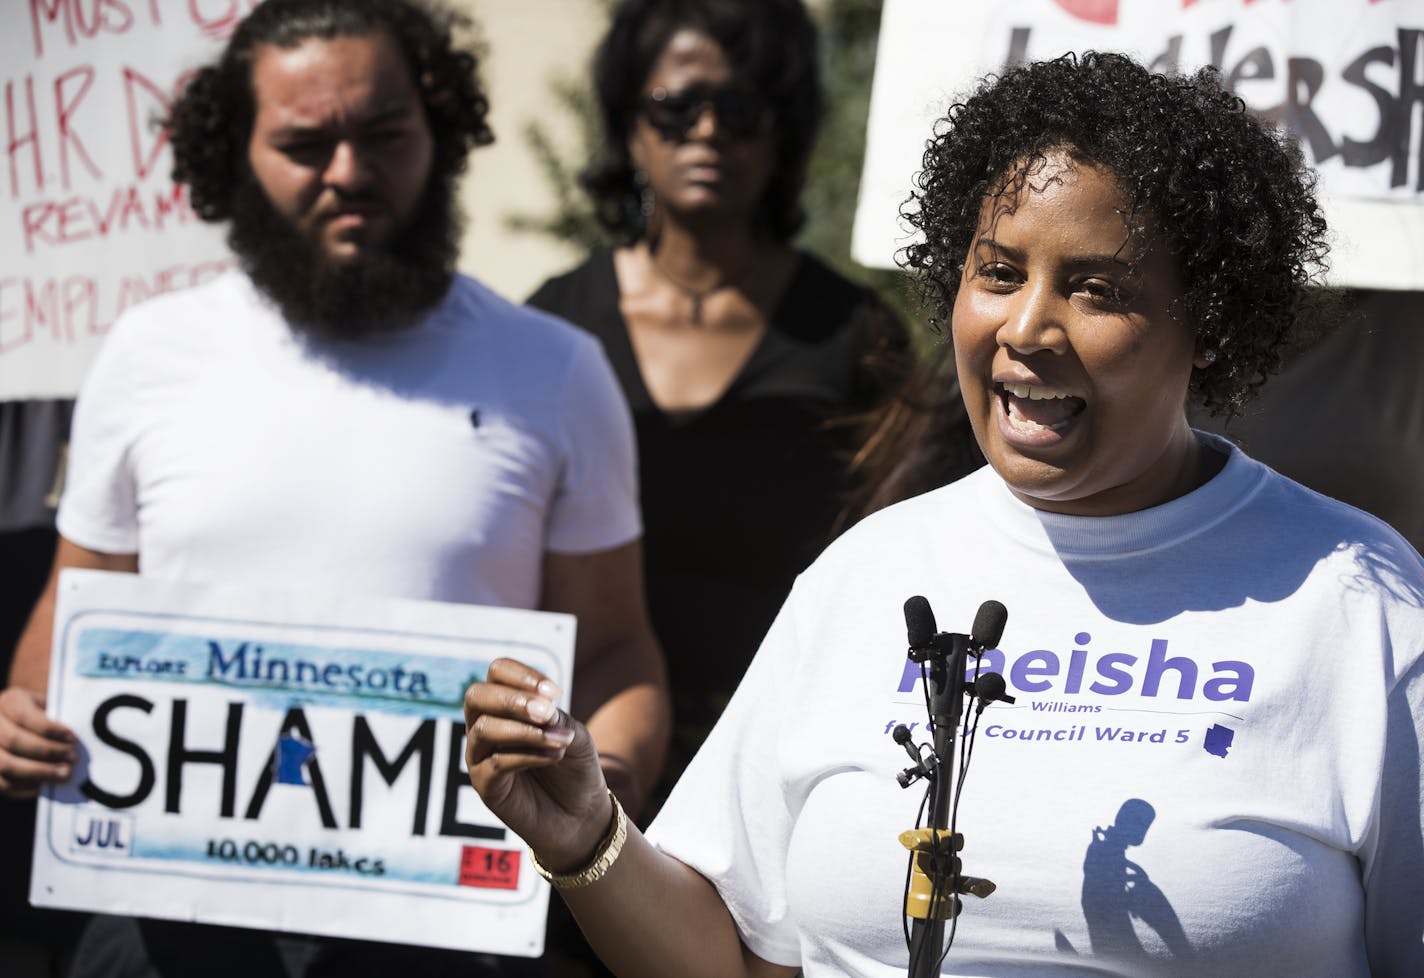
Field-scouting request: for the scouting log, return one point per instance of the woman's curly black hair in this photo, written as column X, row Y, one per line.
column 771, row 44
column 211, row 121
column 1232, row 198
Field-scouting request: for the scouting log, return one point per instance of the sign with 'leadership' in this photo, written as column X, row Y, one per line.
column 1344, row 78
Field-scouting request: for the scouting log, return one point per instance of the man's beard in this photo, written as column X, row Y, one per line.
column 374, row 292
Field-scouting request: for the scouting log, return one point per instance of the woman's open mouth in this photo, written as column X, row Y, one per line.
column 1036, row 414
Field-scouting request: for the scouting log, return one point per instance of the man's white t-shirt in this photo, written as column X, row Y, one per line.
column 439, row 462
column 1212, row 767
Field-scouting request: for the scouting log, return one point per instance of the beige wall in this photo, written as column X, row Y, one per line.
column 528, row 42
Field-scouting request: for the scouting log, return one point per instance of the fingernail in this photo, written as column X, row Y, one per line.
column 540, row 710
column 559, row 736
column 549, row 690
column 63, row 772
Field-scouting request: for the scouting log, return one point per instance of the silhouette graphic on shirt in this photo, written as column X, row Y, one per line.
column 1117, row 891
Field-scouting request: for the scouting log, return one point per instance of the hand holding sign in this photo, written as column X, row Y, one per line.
column 34, row 750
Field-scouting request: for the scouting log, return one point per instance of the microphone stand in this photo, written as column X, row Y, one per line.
column 935, row 882
column 935, row 878
column 934, row 849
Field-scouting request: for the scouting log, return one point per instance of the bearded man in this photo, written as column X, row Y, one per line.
column 347, row 413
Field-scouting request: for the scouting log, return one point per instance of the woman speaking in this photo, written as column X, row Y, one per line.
column 1213, row 764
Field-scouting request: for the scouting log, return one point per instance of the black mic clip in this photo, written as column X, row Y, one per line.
column 926, row 763
column 941, row 646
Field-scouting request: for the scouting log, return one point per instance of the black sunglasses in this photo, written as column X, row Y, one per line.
column 740, row 114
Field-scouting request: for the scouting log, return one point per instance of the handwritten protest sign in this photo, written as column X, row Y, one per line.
column 263, row 760
column 1344, row 77
column 92, row 223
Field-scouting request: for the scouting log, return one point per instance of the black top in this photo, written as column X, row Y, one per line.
column 739, row 497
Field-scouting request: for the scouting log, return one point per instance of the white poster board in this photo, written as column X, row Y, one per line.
column 1345, row 76
column 288, row 763
column 91, row 222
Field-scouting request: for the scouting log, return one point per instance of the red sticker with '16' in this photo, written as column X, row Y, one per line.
column 490, row 869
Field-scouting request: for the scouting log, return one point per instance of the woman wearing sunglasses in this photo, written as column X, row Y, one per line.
column 738, row 354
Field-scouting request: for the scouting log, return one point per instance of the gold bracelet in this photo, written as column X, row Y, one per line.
column 603, row 857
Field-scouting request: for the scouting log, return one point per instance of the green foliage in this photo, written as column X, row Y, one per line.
column 850, row 30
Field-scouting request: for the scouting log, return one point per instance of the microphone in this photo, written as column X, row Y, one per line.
column 919, row 623
column 989, row 624
column 990, row 686
column 926, row 643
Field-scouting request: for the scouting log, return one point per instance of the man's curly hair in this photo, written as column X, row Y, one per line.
column 1232, row 198
column 772, row 44
column 211, row 121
